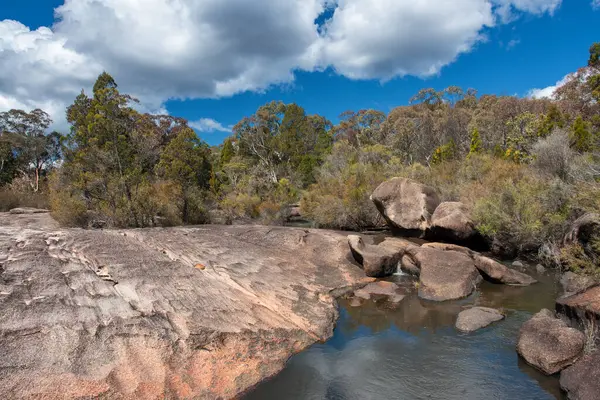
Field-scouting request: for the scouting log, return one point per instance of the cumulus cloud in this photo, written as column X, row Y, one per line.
column 179, row 49
column 209, row 125
column 388, row 38
column 547, row 92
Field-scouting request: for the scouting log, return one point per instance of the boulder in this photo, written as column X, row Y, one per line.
column 498, row 273
column 582, row 305
column 452, row 222
column 377, row 261
column 583, row 229
column 518, row 264
column 407, row 265
column 445, row 275
column 476, row 318
column 540, row 269
column 581, row 381
column 450, row 247
column 573, row 283
column 406, row 205
column 381, row 289
column 548, row 344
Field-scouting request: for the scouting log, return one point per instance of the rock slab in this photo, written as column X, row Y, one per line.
column 196, row 312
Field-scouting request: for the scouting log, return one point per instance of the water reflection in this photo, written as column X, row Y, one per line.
column 414, row 352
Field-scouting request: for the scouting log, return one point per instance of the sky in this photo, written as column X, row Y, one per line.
column 214, row 62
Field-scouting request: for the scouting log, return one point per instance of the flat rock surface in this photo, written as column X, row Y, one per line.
column 196, row 312
column 476, row 318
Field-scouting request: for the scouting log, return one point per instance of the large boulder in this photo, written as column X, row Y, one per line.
column 495, row 272
column 452, row 222
column 445, row 275
column 581, row 381
column 377, row 261
column 548, row 344
column 406, row 205
column 476, row 318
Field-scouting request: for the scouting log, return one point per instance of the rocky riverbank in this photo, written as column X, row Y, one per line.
column 208, row 312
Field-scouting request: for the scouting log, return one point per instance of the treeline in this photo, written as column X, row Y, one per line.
column 527, row 167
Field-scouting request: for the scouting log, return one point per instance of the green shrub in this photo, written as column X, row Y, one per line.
column 524, row 214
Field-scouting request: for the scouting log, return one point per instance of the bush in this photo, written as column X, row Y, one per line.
column 553, row 155
column 525, row 214
column 10, row 199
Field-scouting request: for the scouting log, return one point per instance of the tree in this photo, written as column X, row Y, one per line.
column 111, row 155
column 476, row 145
column 227, row 152
column 581, row 138
column 185, row 162
column 33, row 148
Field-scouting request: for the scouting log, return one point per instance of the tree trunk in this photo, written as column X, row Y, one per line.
column 37, row 179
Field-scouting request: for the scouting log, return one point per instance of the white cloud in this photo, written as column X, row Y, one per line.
column 164, row 49
column 547, row 92
column 508, row 9
column 209, row 125
column 388, row 38
column 595, row 4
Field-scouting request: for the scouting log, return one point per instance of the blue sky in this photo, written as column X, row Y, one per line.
column 524, row 47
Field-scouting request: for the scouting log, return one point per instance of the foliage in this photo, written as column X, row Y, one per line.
column 26, row 146
column 476, row 144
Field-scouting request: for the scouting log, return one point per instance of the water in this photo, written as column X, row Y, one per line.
column 414, row 352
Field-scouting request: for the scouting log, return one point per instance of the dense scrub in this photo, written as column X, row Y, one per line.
column 526, row 167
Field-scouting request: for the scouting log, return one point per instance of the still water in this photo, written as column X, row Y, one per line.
column 414, row 352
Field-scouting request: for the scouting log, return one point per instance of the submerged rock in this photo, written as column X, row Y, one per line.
column 476, row 318
column 548, row 344
column 388, row 290
column 445, row 275
column 406, row 205
column 581, row 381
column 129, row 314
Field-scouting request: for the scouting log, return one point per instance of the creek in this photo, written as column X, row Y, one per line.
column 413, row 351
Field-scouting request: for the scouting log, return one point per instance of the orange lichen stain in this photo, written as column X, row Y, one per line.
column 199, row 266
column 181, row 389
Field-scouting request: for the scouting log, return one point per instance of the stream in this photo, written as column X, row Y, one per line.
column 413, row 351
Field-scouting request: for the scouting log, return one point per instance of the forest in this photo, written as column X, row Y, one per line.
column 526, row 167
